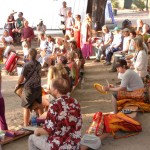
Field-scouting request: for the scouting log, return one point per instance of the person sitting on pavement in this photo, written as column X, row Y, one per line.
column 44, row 51
column 103, row 44
column 115, row 46
column 27, row 33
column 53, row 73
column 63, row 61
column 140, row 59
column 73, row 67
column 78, row 58
column 11, row 23
column 121, row 54
column 41, row 28
column 142, row 27
column 19, row 23
column 7, row 42
column 130, row 81
column 62, row 128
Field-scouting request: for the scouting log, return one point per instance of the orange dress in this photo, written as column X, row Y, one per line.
column 77, row 33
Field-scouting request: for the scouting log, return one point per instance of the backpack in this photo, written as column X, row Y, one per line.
column 111, row 123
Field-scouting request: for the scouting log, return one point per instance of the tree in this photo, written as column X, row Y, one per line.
column 96, row 8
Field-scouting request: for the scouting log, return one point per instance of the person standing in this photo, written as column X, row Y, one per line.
column 86, row 44
column 69, row 23
column 41, row 28
column 27, row 33
column 32, row 91
column 3, row 124
column 63, row 14
column 77, row 29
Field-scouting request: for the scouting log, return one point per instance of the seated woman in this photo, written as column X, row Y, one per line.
column 63, row 61
column 130, row 81
column 78, row 57
column 73, row 67
column 62, row 128
column 53, row 73
column 7, row 41
column 140, row 59
column 63, row 73
column 59, row 48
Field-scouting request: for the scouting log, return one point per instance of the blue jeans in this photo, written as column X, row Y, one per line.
column 109, row 53
column 98, row 52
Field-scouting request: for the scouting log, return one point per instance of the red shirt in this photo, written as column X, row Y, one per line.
column 27, row 33
column 64, row 123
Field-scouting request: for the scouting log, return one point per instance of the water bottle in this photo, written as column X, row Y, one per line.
column 33, row 118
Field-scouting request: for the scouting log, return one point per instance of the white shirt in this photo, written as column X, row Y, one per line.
column 126, row 43
column 63, row 11
column 140, row 63
column 43, row 44
column 7, row 39
column 117, row 40
column 131, row 80
column 69, row 22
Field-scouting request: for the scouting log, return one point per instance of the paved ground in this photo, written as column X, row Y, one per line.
column 90, row 101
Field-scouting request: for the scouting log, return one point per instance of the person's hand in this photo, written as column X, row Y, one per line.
column 111, row 86
column 106, row 88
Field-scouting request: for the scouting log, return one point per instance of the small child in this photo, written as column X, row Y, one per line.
column 25, row 46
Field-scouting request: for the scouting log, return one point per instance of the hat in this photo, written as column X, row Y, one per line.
column 91, row 141
column 126, row 30
column 116, row 29
column 121, row 63
column 63, row 59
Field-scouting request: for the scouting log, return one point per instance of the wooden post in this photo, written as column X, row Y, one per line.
column 98, row 14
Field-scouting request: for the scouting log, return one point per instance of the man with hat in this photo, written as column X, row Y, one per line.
column 115, row 45
column 130, row 81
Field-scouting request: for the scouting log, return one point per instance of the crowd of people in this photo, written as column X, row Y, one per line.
column 125, row 49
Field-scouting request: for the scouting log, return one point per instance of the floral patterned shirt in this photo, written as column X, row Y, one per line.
column 64, row 123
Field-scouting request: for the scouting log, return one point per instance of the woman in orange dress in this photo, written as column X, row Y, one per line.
column 77, row 29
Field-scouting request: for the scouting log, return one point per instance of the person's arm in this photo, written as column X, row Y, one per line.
column 40, row 131
column 109, row 41
column 21, row 79
column 114, row 89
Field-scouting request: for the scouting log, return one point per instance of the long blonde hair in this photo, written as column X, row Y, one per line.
column 53, row 73
column 138, row 43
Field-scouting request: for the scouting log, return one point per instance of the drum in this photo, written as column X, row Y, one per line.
column 11, row 62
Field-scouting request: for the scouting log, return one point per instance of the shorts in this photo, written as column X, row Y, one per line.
column 30, row 95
